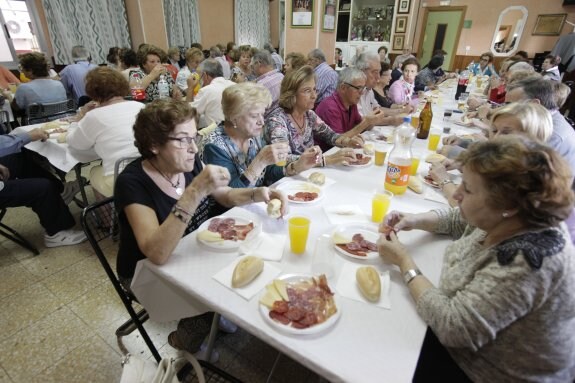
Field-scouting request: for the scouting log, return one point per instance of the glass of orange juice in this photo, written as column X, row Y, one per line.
column 283, row 160
column 298, row 233
column 380, row 204
column 415, row 120
column 13, row 87
column 434, row 137
column 415, row 159
column 380, row 153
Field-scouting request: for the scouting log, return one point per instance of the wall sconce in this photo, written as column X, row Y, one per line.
column 445, row 3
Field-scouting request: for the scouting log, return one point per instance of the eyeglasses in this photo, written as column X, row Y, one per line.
column 358, row 88
column 184, row 142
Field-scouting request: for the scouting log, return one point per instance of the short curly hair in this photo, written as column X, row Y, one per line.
column 237, row 99
column 104, row 83
column 147, row 50
column 524, row 174
column 34, row 62
column 297, row 60
column 156, row 122
column 291, row 83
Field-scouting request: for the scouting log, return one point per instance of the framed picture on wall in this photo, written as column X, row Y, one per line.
column 400, row 24
column 398, row 42
column 302, row 13
column 328, row 17
column 403, row 6
column 549, row 25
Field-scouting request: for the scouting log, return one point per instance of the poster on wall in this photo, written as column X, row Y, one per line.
column 328, row 19
column 302, row 14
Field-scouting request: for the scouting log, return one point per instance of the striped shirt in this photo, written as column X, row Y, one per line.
column 272, row 80
column 326, row 79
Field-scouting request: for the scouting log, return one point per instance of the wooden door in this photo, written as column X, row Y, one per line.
column 442, row 29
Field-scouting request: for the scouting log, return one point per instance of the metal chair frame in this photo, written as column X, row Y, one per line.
column 37, row 112
column 94, row 218
column 5, row 127
column 14, row 236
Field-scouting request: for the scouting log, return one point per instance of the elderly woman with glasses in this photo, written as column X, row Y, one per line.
column 237, row 143
column 296, row 122
column 168, row 193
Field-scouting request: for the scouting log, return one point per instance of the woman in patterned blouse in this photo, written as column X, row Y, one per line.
column 151, row 69
column 237, row 143
column 297, row 123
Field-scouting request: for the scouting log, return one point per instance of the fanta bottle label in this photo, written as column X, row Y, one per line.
column 397, row 175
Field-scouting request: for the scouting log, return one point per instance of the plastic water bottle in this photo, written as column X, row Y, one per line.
column 163, row 88
column 399, row 163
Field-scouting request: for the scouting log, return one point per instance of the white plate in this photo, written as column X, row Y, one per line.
column 228, row 244
column 292, row 187
column 369, row 233
column 304, row 331
column 360, row 151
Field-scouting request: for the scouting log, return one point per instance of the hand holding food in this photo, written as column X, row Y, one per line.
column 390, row 249
column 267, row 195
column 310, row 158
column 451, row 140
column 211, row 178
column 369, row 283
column 341, row 157
column 398, row 221
column 274, row 208
column 247, row 269
column 438, row 173
column 39, row 134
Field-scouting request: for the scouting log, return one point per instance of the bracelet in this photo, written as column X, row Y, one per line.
column 445, row 182
column 410, row 274
column 181, row 209
column 180, row 215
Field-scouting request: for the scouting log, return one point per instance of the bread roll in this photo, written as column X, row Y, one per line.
column 415, row 184
column 434, row 157
column 51, row 125
column 369, row 283
column 368, row 149
column 317, row 178
column 62, row 138
column 274, row 208
column 246, row 270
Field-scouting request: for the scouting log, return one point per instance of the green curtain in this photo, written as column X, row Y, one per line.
column 182, row 22
column 252, row 20
column 96, row 24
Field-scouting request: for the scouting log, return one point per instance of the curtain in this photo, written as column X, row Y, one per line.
column 182, row 22
column 252, row 20
column 98, row 25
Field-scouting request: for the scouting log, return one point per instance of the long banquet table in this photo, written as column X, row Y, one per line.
column 367, row 343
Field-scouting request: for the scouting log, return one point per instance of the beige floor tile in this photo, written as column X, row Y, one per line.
column 6, row 259
column 55, row 259
column 4, row 378
column 77, row 279
column 39, row 346
column 94, row 361
column 26, row 307
column 14, row 278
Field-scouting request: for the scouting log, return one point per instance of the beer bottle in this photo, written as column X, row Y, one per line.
column 425, row 118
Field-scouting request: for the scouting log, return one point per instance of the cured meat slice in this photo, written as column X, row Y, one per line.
column 387, row 230
column 359, row 252
column 353, row 246
column 279, row 317
column 214, row 223
column 357, row 238
column 280, row 307
column 360, row 159
column 243, row 230
column 229, row 234
column 299, row 325
column 295, row 313
column 303, row 196
column 229, row 221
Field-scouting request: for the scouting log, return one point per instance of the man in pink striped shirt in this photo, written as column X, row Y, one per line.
column 263, row 66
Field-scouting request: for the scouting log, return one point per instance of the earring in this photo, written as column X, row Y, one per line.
column 505, row 214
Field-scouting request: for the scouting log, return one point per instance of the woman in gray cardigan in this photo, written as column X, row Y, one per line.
column 504, row 309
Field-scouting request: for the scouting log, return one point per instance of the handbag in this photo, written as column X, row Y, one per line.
column 136, row 370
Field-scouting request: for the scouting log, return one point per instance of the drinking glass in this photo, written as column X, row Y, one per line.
column 434, row 137
column 380, row 204
column 380, row 153
column 415, row 160
column 282, row 161
column 298, row 233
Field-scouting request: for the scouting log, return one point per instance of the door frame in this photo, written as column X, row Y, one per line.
column 462, row 8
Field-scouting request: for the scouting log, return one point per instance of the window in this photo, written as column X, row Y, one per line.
column 21, row 32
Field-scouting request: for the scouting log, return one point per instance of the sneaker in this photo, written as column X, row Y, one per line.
column 227, row 326
column 71, row 188
column 64, row 238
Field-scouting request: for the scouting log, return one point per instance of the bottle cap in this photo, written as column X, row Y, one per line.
column 407, row 119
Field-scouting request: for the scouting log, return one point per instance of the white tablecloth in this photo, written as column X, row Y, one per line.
column 367, row 343
column 59, row 155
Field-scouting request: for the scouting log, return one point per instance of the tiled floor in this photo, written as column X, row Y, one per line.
column 58, row 314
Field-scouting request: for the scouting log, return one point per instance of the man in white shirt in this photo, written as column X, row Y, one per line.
column 216, row 53
column 368, row 63
column 208, row 101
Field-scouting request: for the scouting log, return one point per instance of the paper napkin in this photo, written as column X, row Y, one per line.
column 347, row 286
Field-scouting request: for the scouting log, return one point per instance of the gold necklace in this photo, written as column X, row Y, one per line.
column 176, row 186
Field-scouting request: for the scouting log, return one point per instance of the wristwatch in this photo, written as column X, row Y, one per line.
column 410, row 274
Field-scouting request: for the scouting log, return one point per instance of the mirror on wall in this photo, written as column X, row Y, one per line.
column 508, row 31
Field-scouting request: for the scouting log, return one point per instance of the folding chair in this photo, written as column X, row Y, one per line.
column 93, row 220
column 119, row 166
column 14, row 236
column 36, row 113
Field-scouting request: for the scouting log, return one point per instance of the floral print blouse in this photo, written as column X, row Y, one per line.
column 280, row 126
